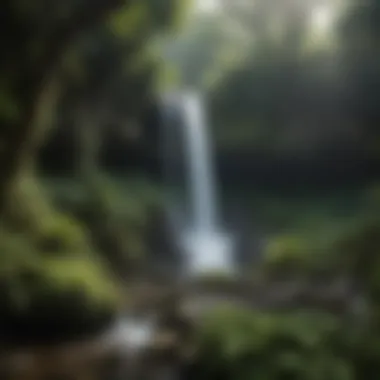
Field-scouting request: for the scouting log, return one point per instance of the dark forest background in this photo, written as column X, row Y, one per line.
column 291, row 89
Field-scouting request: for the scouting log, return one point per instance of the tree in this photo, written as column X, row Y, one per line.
column 32, row 58
column 109, row 81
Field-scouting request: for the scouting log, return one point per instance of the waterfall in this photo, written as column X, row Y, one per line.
column 207, row 247
column 200, row 174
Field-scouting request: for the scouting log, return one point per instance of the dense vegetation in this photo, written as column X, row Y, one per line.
column 86, row 66
column 293, row 82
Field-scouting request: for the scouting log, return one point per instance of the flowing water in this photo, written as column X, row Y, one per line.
column 207, row 248
column 200, row 172
column 132, row 333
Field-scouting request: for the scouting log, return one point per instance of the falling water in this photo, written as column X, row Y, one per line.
column 207, row 248
column 201, row 179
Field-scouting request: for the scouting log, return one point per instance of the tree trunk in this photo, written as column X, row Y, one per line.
column 107, row 232
column 19, row 193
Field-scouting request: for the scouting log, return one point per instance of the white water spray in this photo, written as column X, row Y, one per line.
column 132, row 334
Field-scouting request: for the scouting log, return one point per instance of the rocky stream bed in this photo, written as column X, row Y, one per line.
column 152, row 337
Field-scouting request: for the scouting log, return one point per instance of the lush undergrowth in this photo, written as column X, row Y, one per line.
column 55, row 281
column 122, row 206
column 304, row 342
column 237, row 344
column 53, row 285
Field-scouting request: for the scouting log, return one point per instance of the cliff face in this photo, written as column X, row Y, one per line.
column 130, row 158
column 141, row 152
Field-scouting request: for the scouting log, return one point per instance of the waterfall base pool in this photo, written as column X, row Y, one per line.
column 208, row 253
column 133, row 333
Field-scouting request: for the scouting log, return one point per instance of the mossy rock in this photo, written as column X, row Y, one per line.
column 62, row 235
column 82, row 273
column 44, row 296
column 287, row 255
column 64, row 300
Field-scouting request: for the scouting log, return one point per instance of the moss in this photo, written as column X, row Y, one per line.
column 82, row 274
column 63, row 235
column 286, row 248
column 52, row 283
column 287, row 255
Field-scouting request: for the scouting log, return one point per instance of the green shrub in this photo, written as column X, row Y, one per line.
column 287, row 255
column 239, row 344
column 285, row 248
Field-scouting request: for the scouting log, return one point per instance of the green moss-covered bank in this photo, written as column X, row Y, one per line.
column 53, row 285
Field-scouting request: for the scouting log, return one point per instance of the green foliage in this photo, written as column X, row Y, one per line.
column 147, row 16
column 286, row 248
column 85, row 275
column 128, row 199
column 128, row 20
column 57, row 261
column 304, row 344
column 119, row 206
column 168, row 78
column 241, row 344
column 63, row 235
column 293, row 256
column 47, row 260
